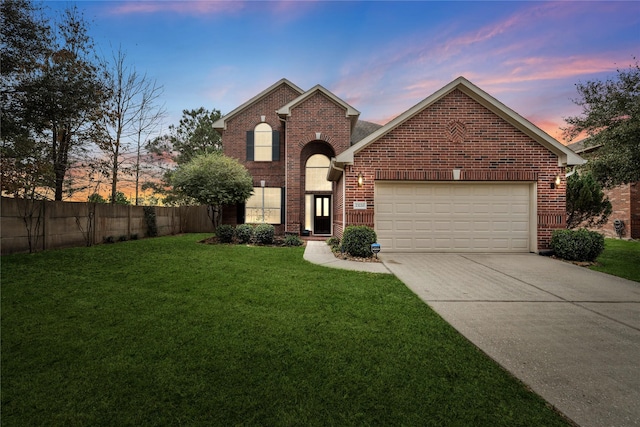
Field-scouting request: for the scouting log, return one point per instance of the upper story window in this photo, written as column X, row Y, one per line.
column 316, row 171
column 262, row 140
column 263, row 144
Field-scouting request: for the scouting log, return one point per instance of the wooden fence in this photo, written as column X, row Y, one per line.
column 28, row 225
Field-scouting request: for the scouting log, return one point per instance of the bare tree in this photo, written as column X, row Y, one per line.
column 150, row 117
column 130, row 114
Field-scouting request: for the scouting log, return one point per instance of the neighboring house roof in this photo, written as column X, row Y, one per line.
column 565, row 155
column 580, row 147
column 222, row 122
column 351, row 112
column 362, row 130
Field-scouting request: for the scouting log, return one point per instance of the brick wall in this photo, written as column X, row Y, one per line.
column 316, row 114
column 456, row 132
column 235, row 145
column 625, row 204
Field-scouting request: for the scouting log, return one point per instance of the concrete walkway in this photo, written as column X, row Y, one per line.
column 319, row 252
column 569, row 333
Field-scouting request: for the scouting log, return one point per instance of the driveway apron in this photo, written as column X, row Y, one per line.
column 569, row 333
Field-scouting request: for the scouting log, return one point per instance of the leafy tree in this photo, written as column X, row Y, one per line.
column 214, row 180
column 119, row 199
column 611, row 119
column 24, row 43
column 96, row 198
column 587, row 204
column 62, row 97
column 193, row 136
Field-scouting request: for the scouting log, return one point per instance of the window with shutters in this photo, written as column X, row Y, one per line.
column 263, row 144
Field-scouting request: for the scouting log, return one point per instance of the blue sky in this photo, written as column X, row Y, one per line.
column 381, row 57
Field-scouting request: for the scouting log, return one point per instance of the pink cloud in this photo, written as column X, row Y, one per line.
column 181, row 7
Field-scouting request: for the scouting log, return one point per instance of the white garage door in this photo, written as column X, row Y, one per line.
column 453, row 217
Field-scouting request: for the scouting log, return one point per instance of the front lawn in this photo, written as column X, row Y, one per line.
column 167, row 331
column 620, row 258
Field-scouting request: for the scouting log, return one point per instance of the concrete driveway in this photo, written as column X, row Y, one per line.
column 571, row 334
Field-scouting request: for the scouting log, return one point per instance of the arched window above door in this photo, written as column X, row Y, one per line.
column 316, row 171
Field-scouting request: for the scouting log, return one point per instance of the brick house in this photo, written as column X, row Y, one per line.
column 458, row 172
column 625, row 200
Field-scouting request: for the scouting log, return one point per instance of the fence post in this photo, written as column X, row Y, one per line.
column 128, row 221
column 45, row 217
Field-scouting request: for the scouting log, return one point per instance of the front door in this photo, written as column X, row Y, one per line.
column 322, row 215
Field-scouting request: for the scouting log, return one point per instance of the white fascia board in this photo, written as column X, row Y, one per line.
column 286, row 109
column 221, row 123
column 565, row 155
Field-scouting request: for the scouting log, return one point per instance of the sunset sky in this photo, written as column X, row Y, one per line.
column 381, row 57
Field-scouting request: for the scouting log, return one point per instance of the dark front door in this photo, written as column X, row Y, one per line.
column 322, row 215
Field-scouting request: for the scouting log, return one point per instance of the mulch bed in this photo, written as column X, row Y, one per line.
column 277, row 242
column 348, row 257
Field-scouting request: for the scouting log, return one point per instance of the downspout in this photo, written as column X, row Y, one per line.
column 344, row 194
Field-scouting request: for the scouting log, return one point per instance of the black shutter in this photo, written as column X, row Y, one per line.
column 275, row 145
column 250, row 146
column 240, row 213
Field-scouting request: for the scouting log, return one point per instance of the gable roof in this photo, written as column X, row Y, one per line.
column 352, row 113
column 221, row 123
column 362, row 130
column 565, row 155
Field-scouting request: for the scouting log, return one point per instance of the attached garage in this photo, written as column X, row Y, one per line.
column 455, row 216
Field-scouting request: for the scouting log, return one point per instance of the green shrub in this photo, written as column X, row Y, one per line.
column 577, row 245
column 292, row 240
column 150, row 220
column 225, row 233
column 244, row 233
column 264, row 234
column 357, row 240
column 334, row 243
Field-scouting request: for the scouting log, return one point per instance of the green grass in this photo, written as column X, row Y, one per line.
column 170, row 332
column 620, row 258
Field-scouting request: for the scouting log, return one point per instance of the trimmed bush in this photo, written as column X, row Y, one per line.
column 225, row 233
column 577, row 245
column 334, row 243
column 264, row 234
column 292, row 240
column 244, row 233
column 357, row 240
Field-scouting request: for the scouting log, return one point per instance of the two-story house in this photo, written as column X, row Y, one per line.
column 458, row 172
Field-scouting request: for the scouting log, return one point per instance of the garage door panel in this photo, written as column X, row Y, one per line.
column 423, row 208
column 404, row 208
column 404, row 225
column 458, row 217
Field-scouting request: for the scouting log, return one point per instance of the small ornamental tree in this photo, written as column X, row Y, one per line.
column 214, row 180
column 587, row 205
column 611, row 119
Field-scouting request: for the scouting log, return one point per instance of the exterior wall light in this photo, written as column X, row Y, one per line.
column 556, row 182
column 360, row 180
